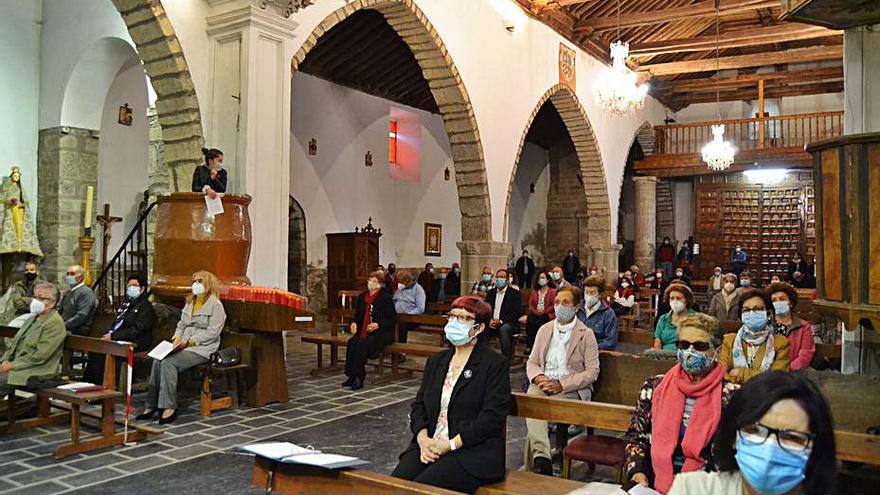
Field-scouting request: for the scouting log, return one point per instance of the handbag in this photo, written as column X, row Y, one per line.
column 224, row 358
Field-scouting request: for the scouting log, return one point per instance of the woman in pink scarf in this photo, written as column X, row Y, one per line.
column 678, row 413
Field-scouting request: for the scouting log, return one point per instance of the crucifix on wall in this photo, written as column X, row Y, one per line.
column 106, row 221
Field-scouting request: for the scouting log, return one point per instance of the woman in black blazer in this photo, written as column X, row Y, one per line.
column 459, row 416
column 372, row 329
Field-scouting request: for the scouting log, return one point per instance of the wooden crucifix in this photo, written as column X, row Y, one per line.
column 106, row 222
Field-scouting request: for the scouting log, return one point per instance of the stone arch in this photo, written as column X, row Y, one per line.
column 592, row 170
column 296, row 247
column 646, row 138
column 176, row 104
column 451, row 97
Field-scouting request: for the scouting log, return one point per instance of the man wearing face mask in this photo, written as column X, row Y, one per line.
column 453, row 281
column 571, row 265
column 482, row 286
column 426, row 280
column 564, row 363
column 724, row 305
column 666, row 257
column 78, row 304
column 525, row 269
column 134, row 323
column 597, row 315
column 557, row 279
column 678, row 413
column 506, row 309
column 739, row 260
column 391, row 278
column 36, row 349
column 682, row 275
column 716, row 282
column 408, row 300
column 745, row 279
column 22, row 291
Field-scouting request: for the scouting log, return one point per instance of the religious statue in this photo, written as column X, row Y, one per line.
column 17, row 232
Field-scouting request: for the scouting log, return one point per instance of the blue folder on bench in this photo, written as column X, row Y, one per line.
column 289, row 453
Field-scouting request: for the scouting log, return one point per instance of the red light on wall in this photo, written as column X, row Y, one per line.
column 392, row 141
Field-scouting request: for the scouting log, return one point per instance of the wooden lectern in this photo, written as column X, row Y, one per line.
column 351, row 256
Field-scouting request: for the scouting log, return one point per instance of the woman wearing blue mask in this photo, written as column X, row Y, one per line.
column 563, row 363
column 776, row 437
column 541, row 303
column 459, row 416
column 759, row 345
column 678, row 413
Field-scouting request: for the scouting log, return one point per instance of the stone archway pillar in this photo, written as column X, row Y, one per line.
column 605, row 257
column 646, row 221
column 477, row 254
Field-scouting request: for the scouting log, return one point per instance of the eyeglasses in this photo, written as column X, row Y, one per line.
column 698, row 345
column 756, row 309
column 466, row 319
column 791, row 440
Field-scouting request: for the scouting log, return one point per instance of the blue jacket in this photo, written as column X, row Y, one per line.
column 603, row 322
column 410, row 300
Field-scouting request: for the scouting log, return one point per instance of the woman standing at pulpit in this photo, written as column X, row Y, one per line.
column 197, row 337
column 372, row 329
column 210, row 178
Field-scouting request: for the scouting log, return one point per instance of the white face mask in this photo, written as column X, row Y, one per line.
column 371, row 285
column 729, row 286
column 591, row 301
column 401, row 287
column 37, row 306
column 677, row 306
column 624, row 285
column 198, row 289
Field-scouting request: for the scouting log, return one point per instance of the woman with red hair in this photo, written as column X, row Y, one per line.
column 459, row 416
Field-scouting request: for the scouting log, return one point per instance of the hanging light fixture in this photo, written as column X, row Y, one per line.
column 617, row 90
column 718, row 153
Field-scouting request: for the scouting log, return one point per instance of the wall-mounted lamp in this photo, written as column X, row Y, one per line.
column 513, row 18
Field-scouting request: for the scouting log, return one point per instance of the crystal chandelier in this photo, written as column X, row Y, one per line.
column 718, row 153
column 617, row 90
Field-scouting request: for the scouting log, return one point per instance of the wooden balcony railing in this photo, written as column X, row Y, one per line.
column 759, row 133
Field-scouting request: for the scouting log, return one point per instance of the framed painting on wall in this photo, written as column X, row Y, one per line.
column 433, row 239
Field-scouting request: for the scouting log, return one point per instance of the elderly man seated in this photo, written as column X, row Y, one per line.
column 78, row 305
column 409, row 299
column 35, row 351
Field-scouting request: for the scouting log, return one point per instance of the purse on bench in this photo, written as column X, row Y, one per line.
column 224, row 358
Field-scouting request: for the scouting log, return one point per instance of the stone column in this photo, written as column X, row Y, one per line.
column 251, row 49
column 646, row 221
column 605, row 257
column 861, row 68
column 477, row 254
column 67, row 165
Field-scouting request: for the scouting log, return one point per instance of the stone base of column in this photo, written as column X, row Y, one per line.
column 477, row 254
column 605, row 257
column 67, row 164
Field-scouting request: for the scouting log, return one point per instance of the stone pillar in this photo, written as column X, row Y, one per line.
column 477, row 254
column 251, row 49
column 67, row 165
column 158, row 175
column 646, row 221
column 861, row 75
column 567, row 215
column 605, row 257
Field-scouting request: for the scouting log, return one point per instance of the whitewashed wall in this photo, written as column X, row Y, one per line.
column 338, row 193
column 528, row 210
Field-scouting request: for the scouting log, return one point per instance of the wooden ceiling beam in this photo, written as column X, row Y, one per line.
column 795, row 56
column 752, row 94
column 733, row 39
column 704, row 8
column 743, row 80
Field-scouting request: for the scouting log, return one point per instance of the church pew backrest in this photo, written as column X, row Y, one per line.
column 621, row 376
column 612, row 417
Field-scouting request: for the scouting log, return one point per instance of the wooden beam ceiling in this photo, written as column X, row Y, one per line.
column 795, row 56
column 680, row 100
column 700, row 9
column 747, row 80
column 778, row 33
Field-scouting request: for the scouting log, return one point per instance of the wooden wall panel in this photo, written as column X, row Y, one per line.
column 874, row 224
column 831, row 255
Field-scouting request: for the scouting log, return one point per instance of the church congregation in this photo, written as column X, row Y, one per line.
column 495, row 247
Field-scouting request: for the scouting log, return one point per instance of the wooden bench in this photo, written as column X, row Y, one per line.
column 233, row 375
column 106, row 398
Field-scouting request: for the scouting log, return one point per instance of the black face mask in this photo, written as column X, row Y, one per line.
column 392, row 270
column 30, row 277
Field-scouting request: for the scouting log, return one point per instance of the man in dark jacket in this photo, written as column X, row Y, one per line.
column 134, row 323
column 426, row 280
column 506, row 305
column 571, row 265
column 78, row 305
column 525, row 269
column 22, row 291
column 597, row 315
column 453, row 281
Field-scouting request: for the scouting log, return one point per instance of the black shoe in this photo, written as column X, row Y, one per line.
column 169, row 419
column 357, row 384
column 348, row 382
column 542, row 465
column 147, row 415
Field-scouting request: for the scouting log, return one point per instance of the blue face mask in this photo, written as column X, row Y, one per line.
column 133, row 292
column 458, row 333
column 768, row 468
column 781, row 308
column 755, row 320
column 564, row 314
column 542, row 282
column 500, row 282
column 487, row 277
column 71, row 280
column 693, row 362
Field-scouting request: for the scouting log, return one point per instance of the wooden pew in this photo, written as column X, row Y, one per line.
column 106, row 398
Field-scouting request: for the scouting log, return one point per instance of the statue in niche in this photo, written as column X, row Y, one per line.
column 18, row 234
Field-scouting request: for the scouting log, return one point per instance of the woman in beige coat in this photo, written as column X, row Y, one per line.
column 564, row 363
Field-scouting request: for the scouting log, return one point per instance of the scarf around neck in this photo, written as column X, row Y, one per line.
column 369, row 299
column 739, row 357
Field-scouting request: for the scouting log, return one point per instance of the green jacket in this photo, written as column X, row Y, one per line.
column 667, row 332
column 36, row 348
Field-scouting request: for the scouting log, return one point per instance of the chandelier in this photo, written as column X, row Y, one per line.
column 616, row 89
column 718, row 153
